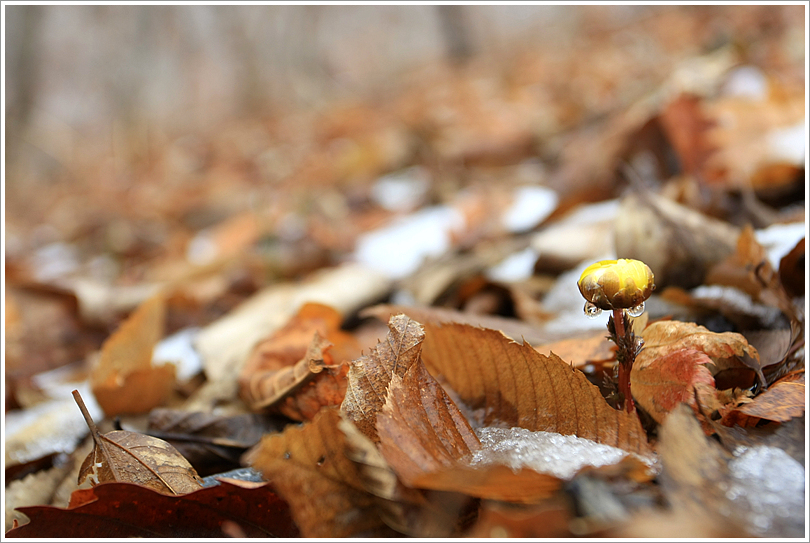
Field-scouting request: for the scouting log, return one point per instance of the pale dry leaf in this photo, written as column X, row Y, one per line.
column 309, row 468
column 370, row 375
column 130, row 457
column 124, row 379
column 514, row 385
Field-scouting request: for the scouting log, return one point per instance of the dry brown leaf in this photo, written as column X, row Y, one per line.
column 369, row 375
column 130, row 457
column 294, row 373
column 410, row 511
column 309, row 468
column 513, row 328
column 550, row 519
column 420, row 428
column 663, row 337
column 745, row 133
column 123, row 379
column 686, row 126
column 514, row 385
column 581, row 351
column 783, row 401
column 661, row 384
column 211, row 443
column 791, row 270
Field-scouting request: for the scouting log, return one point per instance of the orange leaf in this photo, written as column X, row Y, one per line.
column 514, row 385
column 309, row 467
column 370, row 375
column 124, row 380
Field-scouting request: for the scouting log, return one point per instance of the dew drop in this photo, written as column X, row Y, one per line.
column 636, row 311
column 591, row 311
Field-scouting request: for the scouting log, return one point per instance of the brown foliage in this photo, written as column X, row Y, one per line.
column 514, row 385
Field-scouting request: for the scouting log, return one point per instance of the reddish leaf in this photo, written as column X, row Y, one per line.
column 669, row 380
column 115, row 510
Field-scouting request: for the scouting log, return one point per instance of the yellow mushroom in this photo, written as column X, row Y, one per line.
column 616, row 284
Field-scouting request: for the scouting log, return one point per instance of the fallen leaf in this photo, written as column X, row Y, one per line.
column 782, row 402
column 420, row 428
column 549, row 519
column 300, row 390
column 123, row 456
column 370, row 375
column 595, row 347
column 211, row 443
column 492, row 482
column 686, row 126
column 660, row 384
column 512, row 328
column 123, row 379
column 672, row 366
column 308, row 467
column 411, row 511
column 514, row 385
column 663, row 337
column 117, row 510
column 749, row 269
column 226, row 344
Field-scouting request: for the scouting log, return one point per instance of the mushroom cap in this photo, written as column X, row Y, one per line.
column 616, row 284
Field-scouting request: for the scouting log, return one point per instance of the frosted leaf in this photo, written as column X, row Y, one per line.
column 544, row 452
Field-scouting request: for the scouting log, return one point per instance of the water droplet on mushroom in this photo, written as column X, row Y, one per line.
column 591, row 311
column 636, row 311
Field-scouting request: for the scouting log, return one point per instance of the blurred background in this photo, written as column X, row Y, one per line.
column 131, row 130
